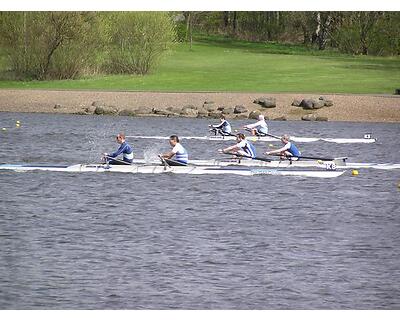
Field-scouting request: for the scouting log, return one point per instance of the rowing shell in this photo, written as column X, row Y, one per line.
column 190, row 169
column 263, row 139
column 339, row 163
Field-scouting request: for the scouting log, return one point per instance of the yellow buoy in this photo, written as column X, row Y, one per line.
column 319, row 161
column 18, row 121
column 354, row 172
column 4, row 129
column 17, row 125
column 271, row 145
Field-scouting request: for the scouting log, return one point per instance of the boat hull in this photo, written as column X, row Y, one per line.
column 264, row 139
column 153, row 169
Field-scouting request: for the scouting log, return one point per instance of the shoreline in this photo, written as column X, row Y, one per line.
column 346, row 107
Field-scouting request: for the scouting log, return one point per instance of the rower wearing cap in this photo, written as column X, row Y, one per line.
column 178, row 151
column 289, row 150
column 125, row 149
column 258, row 128
column 224, row 128
column 242, row 147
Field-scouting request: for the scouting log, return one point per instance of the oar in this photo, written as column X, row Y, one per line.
column 264, row 134
column 304, row 157
column 244, row 156
column 165, row 163
column 115, row 159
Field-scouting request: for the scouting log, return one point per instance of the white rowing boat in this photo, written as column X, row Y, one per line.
column 190, row 169
column 265, row 139
column 338, row 163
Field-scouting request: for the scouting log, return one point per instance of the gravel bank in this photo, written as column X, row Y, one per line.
column 362, row 108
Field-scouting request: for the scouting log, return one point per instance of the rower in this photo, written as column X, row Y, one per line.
column 289, row 150
column 224, row 128
column 242, row 147
column 178, row 151
column 125, row 149
column 258, row 128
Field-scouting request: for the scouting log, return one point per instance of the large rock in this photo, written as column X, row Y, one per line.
column 104, row 110
column 310, row 104
column 127, row 113
column 210, row 106
column 318, row 104
column 90, row 109
column 99, row 104
column 227, row 110
column 309, row 117
column 296, row 103
column 143, row 111
column 215, row 114
column 307, row 104
column 254, row 114
column 266, row 102
column 239, row 109
column 326, row 102
column 202, row 113
column 188, row 112
column 164, row 112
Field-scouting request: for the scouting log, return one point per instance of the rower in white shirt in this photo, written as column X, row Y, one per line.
column 258, row 128
column 178, row 151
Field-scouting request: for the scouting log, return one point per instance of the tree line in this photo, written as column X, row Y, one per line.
column 367, row 33
column 67, row 45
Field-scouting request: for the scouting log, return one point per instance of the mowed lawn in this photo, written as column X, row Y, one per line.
column 220, row 65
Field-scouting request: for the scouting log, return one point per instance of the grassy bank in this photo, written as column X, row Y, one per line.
column 217, row 64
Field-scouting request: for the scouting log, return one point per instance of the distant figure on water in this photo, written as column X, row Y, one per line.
column 224, row 128
column 288, row 150
column 258, row 128
column 178, row 151
column 125, row 149
column 242, row 147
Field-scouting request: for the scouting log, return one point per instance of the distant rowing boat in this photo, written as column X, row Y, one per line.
column 190, row 169
column 264, row 139
column 339, row 163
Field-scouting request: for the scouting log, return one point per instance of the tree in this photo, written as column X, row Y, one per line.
column 137, row 40
column 34, row 40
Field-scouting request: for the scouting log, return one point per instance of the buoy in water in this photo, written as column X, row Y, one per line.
column 3, row 129
column 354, row 172
column 18, row 122
column 271, row 145
column 17, row 125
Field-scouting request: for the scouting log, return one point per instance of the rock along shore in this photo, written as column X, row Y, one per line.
column 282, row 106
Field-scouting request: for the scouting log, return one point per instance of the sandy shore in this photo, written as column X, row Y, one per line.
column 363, row 108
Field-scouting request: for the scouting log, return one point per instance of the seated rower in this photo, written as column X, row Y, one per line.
column 224, row 128
column 258, row 128
column 125, row 149
column 178, row 151
column 289, row 150
column 242, row 147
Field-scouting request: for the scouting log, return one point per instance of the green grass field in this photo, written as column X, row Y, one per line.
column 218, row 64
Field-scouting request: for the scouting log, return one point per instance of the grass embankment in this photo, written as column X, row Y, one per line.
column 219, row 64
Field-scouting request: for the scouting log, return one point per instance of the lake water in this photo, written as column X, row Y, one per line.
column 123, row 241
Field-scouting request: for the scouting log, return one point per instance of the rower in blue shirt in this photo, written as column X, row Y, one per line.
column 242, row 147
column 125, row 149
column 224, row 128
column 289, row 150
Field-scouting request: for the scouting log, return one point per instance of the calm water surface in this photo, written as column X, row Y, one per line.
column 122, row 241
